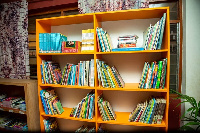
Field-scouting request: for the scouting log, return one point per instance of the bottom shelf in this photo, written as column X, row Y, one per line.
column 12, row 110
column 66, row 115
column 122, row 119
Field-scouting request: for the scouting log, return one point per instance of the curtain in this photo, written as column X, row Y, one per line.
column 14, row 57
column 91, row 6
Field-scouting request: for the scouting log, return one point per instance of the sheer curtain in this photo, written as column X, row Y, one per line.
column 91, row 6
column 14, row 57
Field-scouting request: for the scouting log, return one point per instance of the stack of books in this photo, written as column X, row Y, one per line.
column 150, row 112
column 81, row 74
column 108, row 77
column 84, row 109
column 153, row 35
column 87, row 40
column 50, row 125
column 153, row 75
column 50, row 72
column 127, row 41
column 51, row 42
column 51, row 102
column 105, row 109
column 103, row 40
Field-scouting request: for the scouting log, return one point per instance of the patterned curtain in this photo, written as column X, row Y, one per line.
column 91, row 6
column 14, row 57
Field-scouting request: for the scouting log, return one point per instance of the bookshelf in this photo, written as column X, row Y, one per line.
column 129, row 64
column 22, row 88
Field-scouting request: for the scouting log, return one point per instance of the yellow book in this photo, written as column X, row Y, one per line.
column 113, row 77
column 82, row 110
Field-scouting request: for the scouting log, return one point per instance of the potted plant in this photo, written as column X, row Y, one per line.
column 193, row 117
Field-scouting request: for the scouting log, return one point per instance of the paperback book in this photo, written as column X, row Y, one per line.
column 85, row 108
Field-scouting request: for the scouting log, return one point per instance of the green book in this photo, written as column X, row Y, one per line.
column 159, row 74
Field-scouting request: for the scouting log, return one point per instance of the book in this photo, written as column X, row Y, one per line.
column 162, row 31
column 159, row 74
column 51, row 102
column 100, row 38
column 71, row 46
column 128, row 49
column 85, row 108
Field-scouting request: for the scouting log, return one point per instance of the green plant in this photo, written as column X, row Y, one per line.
column 193, row 117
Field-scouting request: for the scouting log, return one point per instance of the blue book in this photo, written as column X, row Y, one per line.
column 44, row 42
column 127, row 49
column 80, row 73
column 100, row 40
column 52, row 43
column 41, row 37
column 44, row 102
column 57, row 42
column 91, row 107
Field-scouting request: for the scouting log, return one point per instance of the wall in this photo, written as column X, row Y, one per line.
column 191, row 47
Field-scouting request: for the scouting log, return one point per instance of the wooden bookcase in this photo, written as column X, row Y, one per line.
column 23, row 88
column 129, row 64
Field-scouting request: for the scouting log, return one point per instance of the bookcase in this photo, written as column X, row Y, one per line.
column 22, row 88
column 129, row 65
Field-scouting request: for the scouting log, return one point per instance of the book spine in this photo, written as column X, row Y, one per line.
column 162, row 31
column 159, row 74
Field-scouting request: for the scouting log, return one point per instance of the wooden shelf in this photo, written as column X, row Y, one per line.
column 66, row 115
column 81, row 53
column 31, row 99
column 12, row 110
column 121, row 52
column 66, row 86
column 135, row 52
column 122, row 119
column 135, row 59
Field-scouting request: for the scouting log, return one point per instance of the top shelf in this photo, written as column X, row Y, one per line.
column 145, row 13
column 121, row 52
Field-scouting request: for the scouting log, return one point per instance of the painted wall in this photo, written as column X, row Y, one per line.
column 191, row 47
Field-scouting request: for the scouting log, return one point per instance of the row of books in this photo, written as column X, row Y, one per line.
column 153, row 35
column 84, row 109
column 85, row 129
column 103, row 40
column 11, row 123
column 12, row 102
column 87, row 40
column 127, row 41
column 50, row 101
column 50, row 72
column 153, row 75
column 51, row 42
column 108, row 77
column 81, row 74
column 50, row 125
column 105, row 109
column 150, row 112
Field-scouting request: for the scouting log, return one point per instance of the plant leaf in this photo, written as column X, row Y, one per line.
column 192, row 123
column 187, row 127
column 199, row 104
